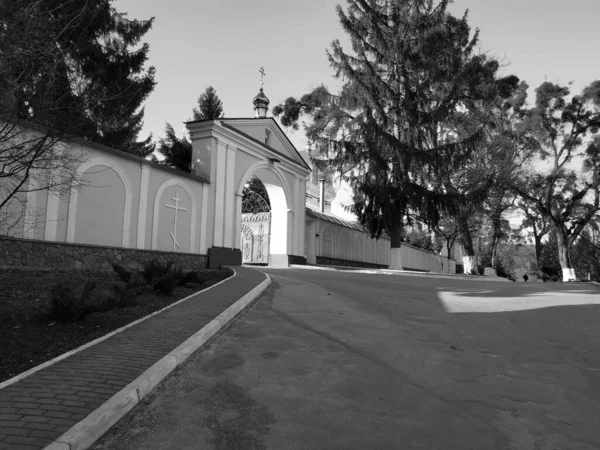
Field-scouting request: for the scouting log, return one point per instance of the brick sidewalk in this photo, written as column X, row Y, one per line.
column 41, row 407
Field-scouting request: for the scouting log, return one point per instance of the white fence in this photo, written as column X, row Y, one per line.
column 419, row 259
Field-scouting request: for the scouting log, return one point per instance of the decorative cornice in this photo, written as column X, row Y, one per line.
column 259, row 217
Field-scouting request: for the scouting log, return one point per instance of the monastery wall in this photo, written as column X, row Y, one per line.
column 121, row 201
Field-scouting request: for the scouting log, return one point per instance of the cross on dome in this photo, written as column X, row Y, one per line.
column 261, row 102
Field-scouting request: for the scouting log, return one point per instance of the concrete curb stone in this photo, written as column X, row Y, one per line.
column 84, row 433
column 402, row 272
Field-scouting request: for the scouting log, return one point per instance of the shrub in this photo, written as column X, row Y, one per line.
column 66, row 306
column 124, row 274
column 154, row 270
column 191, row 277
column 166, row 285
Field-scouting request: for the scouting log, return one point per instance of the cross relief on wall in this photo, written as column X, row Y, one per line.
column 177, row 208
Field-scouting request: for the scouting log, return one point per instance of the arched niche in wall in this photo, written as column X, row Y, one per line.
column 174, row 218
column 327, row 241
column 344, row 245
column 100, row 208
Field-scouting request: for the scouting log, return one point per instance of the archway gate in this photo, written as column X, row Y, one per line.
column 228, row 153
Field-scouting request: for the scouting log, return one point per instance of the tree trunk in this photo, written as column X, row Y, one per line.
column 564, row 257
column 396, row 241
column 538, row 249
column 496, row 225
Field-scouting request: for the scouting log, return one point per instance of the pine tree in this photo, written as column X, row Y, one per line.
column 96, row 83
column 210, row 105
column 177, row 152
column 389, row 132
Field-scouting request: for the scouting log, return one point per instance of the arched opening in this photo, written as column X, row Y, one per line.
column 255, row 198
column 263, row 211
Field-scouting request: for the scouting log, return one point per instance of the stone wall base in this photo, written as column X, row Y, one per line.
column 46, row 254
column 326, row 261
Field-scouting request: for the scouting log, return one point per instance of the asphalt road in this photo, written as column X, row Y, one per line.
column 340, row 360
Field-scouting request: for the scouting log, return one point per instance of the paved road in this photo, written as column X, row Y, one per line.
column 333, row 360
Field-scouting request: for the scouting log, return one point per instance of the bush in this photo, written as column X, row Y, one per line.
column 154, row 270
column 132, row 279
column 191, row 277
column 124, row 274
column 66, row 306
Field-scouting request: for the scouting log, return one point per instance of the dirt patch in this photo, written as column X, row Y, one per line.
column 30, row 337
column 270, row 355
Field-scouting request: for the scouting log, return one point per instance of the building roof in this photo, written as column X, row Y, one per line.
column 224, row 121
column 310, row 212
column 74, row 139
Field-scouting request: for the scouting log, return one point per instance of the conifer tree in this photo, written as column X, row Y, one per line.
column 96, row 83
column 177, row 152
column 389, row 131
column 210, row 105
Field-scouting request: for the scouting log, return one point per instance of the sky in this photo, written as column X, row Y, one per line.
column 224, row 43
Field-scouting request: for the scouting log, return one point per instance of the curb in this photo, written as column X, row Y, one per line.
column 400, row 272
column 433, row 275
column 84, row 433
column 106, row 336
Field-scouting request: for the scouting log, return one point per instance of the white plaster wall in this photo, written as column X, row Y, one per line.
column 118, row 209
column 101, row 207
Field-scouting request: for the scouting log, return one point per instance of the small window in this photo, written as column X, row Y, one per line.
column 267, row 137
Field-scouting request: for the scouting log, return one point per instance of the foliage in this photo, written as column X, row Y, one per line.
column 124, row 275
column 210, row 105
column 420, row 239
column 492, row 167
column 538, row 224
column 507, row 259
column 585, row 257
column 447, row 231
column 133, row 280
column 66, row 306
column 549, row 263
column 389, row 132
column 566, row 194
column 177, row 152
column 154, row 269
column 67, row 69
column 255, row 198
column 74, row 66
